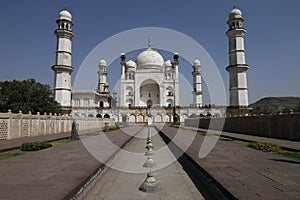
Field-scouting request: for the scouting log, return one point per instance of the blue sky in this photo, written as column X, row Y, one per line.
column 27, row 42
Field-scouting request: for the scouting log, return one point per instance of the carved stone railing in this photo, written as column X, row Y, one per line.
column 14, row 126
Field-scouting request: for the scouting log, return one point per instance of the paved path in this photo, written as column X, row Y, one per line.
column 246, row 173
column 59, row 172
column 117, row 184
column 7, row 145
column 288, row 144
column 55, row 173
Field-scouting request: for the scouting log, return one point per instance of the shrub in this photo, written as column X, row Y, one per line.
column 35, row 146
column 268, row 147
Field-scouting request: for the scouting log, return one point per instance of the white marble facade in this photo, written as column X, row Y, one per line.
column 149, row 84
column 149, row 81
column 86, row 103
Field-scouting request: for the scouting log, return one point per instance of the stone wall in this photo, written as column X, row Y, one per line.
column 13, row 126
column 274, row 126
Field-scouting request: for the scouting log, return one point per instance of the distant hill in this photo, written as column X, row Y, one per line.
column 273, row 105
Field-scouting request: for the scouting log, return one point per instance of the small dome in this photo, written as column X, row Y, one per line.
column 149, row 57
column 131, row 63
column 197, row 62
column 102, row 62
column 168, row 63
column 64, row 14
column 235, row 13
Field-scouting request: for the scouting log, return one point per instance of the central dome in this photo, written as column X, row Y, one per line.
column 149, row 58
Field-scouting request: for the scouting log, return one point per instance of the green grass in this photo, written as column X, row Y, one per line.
column 93, row 133
column 112, row 129
column 206, row 133
column 64, row 141
column 289, row 154
column 10, row 154
column 201, row 133
column 242, row 143
column 174, row 126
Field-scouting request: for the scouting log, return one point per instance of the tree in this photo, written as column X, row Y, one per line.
column 27, row 95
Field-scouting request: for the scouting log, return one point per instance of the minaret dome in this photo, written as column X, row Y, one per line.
column 235, row 12
column 64, row 14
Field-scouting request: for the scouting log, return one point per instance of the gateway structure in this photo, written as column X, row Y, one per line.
column 150, row 83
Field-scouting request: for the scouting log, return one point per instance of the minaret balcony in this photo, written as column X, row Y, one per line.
column 197, row 92
column 196, row 73
column 63, row 33
column 62, row 68
column 242, row 67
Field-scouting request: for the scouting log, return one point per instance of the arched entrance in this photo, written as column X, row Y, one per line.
column 124, row 118
column 129, row 103
column 101, row 104
column 149, row 93
column 132, row 118
column 149, row 103
column 169, row 103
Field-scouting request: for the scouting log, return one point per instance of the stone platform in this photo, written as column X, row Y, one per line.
column 54, row 173
column 244, row 172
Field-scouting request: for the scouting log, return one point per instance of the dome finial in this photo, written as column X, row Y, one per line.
column 149, row 42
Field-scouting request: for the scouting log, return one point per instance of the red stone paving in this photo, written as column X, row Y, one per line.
column 58, row 172
column 51, row 174
column 245, row 172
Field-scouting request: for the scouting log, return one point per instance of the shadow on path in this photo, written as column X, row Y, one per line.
column 286, row 161
column 205, row 183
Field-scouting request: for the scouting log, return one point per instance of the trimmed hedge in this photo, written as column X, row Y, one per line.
column 268, row 147
column 35, row 146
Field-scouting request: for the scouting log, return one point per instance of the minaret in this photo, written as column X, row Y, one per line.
column 237, row 65
column 197, row 93
column 102, row 83
column 175, row 64
column 63, row 63
column 123, row 65
column 122, row 91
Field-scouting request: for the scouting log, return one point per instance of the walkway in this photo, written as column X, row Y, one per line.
column 118, row 184
column 288, row 144
column 57, row 172
column 246, row 173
